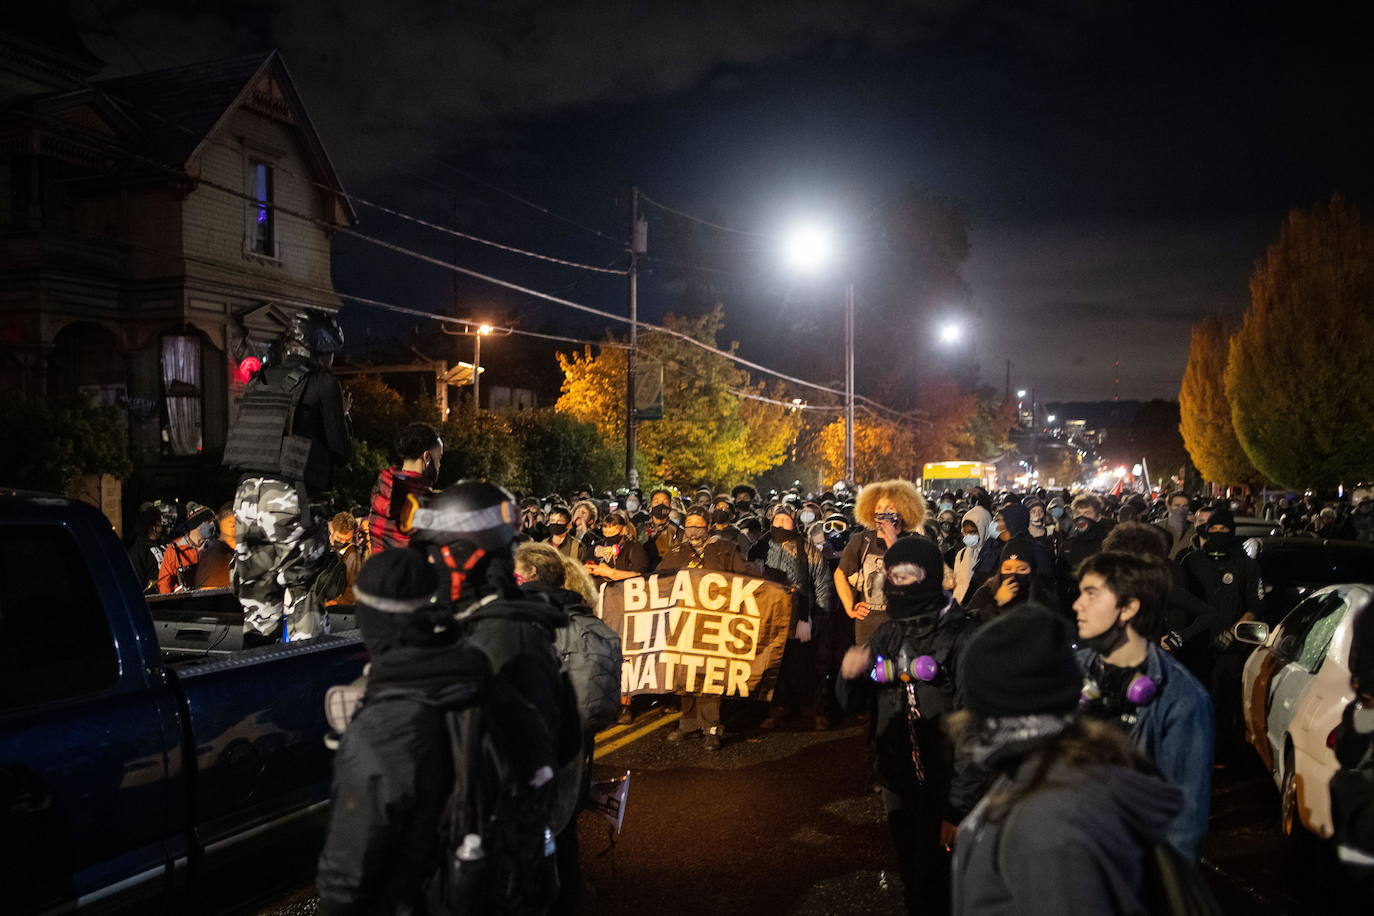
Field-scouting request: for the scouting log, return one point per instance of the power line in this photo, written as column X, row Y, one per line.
column 516, row 197
column 698, row 219
column 439, row 262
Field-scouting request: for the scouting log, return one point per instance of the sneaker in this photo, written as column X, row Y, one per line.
column 713, row 737
column 625, row 717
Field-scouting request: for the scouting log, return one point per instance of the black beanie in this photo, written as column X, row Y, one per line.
column 1022, row 664
column 1222, row 515
column 1021, row 548
column 396, row 581
column 921, row 552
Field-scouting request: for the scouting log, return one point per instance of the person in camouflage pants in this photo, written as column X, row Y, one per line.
column 281, row 549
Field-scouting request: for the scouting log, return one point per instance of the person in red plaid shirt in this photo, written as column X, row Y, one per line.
column 421, row 450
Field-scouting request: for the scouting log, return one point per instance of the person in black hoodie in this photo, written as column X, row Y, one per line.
column 1085, row 536
column 393, row 773
column 1065, row 826
column 1223, row 575
column 1013, row 521
column 925, row 799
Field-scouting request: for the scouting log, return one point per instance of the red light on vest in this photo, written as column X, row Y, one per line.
column 249, row 367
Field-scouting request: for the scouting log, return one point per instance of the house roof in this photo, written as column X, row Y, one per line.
column 177, row 111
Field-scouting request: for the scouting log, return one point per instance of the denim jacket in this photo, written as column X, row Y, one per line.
column 1177, row 733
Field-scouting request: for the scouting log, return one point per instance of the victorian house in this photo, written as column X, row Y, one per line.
column 155, row 231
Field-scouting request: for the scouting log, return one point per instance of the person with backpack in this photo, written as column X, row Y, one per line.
column 290, row 437
column 590, row 659
column 394, row 770
column 1076, row 820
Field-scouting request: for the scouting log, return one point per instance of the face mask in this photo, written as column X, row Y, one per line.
column 660, row 512
column 1219, row 541
column 946, row 506
column 891, row 518
column 807, row 517
column 696, row 538
column 1023, row 589
column 207, row 530
column 1082, row 526
column 631, row 505
column 1108, row 641
column 557, row 528
column 970, row 540
column 946, row 527
column 1057, row 512
column 995, row 531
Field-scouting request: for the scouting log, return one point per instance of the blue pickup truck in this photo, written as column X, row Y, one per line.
column 148, row 763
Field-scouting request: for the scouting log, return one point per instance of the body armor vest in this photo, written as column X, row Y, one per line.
column 262, row 439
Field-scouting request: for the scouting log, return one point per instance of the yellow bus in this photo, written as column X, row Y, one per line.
column 938, row 476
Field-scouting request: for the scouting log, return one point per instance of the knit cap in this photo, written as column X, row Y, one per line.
column 396, row 581
column 1022, row 664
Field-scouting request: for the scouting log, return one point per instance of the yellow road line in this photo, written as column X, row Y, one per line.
column 613, row 731
column 623, row 740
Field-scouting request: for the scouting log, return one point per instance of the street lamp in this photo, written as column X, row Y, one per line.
column 482, row 331
column 950, row 332
column 1021, row 392
column 809, row 248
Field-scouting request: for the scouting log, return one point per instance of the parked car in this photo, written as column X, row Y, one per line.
column 139, row 776
column 1250, row 527
column 1295, row 686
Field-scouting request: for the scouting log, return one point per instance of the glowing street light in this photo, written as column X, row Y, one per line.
column 1049, row 418
column 809, row 248
column 951, row 332
column 1021, row 392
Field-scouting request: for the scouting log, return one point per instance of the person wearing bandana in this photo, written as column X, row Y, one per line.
column 700, row 549
column 1223, row 575
column 926, row 790
column 1122, row 601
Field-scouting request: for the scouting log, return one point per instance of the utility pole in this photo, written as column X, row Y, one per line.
column 849, row 383
column 639, row 237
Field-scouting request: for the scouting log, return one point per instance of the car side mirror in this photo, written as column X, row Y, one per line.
column 1253, row 632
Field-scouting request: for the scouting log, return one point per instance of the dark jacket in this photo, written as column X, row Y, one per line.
column 1352, row 801
column 717, row 554
column 944, row 639
column 658, row 540
column 145, row 555
column 1074, row 548
column 1067, row 847
column 791, row 560
column 393, row 772
column 1177, row 734
column 983, row 604
column 572, row 547
column 1229, row 581
column 631, row 557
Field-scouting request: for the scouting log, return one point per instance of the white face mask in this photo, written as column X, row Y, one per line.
column 971, row 540
column 807, row 517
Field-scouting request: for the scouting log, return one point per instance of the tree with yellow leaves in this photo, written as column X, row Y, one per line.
column 1298, row 380
column 1205, row 410
column 714, row 427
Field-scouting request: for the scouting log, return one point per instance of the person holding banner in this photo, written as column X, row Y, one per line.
column 907, row 676
column 701, row 550
column 888, row 509
column 619, row 555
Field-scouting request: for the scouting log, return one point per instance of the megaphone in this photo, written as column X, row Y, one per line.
column 607, row 798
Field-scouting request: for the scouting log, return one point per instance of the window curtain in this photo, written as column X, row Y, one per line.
column 181, row 389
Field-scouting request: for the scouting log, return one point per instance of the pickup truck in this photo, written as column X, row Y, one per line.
column 148, row 763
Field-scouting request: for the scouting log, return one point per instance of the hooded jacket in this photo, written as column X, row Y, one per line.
column 1067, row 847
column 966, row 560
column 393, row 772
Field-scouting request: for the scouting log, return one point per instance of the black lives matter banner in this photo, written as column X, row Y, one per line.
column 699, row 632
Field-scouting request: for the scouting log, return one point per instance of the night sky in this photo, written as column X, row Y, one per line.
column 1121, row 165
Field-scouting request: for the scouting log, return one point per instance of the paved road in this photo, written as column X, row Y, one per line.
column 787, row 822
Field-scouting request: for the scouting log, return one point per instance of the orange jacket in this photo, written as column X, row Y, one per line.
column 180, row 554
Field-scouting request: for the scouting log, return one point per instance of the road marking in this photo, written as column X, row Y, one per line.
column 617, row 743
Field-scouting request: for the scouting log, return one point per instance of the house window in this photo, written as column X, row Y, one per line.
column 262, row 232
column 181, row 392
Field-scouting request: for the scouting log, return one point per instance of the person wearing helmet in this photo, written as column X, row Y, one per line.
column 290, row 437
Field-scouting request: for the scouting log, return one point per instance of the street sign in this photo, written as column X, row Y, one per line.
column 648, row 390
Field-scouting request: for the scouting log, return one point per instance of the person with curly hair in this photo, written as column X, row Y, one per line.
column 888, row 509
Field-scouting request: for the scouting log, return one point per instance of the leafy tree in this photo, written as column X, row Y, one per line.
column 711, row 429
column 1302, row 398
column 883, row 448
column 56, row 441
column 478, row 444
column 558, row 452
column 353, row 482
column 1205, row 410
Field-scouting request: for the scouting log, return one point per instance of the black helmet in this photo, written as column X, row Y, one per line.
column 318, row 332
column 472, row 511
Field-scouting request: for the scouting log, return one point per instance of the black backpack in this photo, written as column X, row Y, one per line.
column 495, row 835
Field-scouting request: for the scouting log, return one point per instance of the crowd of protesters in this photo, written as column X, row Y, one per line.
column 1077, row 683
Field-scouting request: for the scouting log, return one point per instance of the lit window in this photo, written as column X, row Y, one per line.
column 264, row 217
